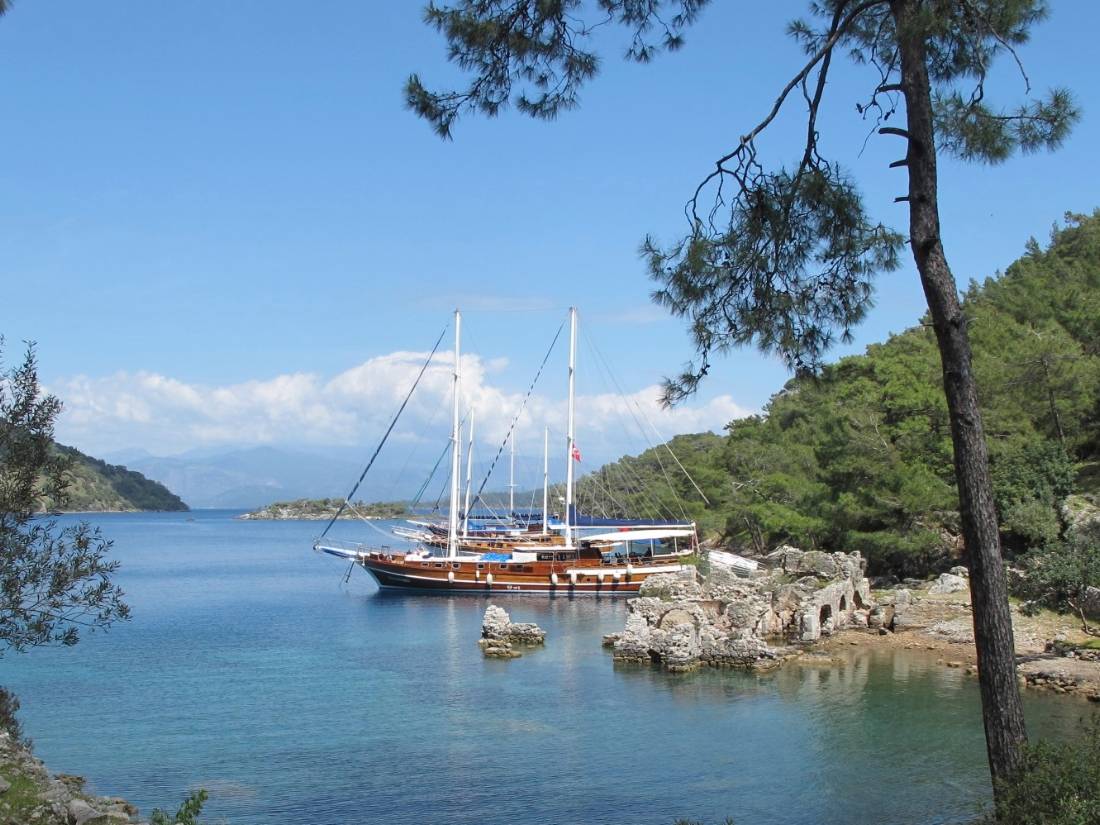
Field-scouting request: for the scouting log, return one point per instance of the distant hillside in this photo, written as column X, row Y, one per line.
column 99, row 486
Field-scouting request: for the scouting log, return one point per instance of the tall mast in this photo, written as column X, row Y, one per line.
column 570, row 435
column 545, row 478
column 469, row 477
column 512, row 476
column 452, row 517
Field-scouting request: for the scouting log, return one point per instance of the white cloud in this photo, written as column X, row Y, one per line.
column 164, row 415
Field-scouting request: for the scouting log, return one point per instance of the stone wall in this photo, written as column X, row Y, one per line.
column 681, row 621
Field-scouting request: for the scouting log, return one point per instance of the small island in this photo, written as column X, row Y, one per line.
column 319, row 509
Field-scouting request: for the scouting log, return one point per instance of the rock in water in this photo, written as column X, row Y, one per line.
column 499, row 633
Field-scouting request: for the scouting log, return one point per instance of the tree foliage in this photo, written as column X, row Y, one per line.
column 858, row 457
column 1060, row 573
column 1056, row 785
column 188, row 813
column 535, row 53
column 54, row 580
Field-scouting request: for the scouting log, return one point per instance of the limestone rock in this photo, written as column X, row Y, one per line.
column 80, row 812
column 959, row 570
column 497, row 626
column 671, row 586
column 498, row 649
column 726, row 620
column 948, row 583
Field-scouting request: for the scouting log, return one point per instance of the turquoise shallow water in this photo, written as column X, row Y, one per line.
column 250, row 669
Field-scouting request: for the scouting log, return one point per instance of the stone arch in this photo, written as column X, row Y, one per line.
column 843, row 607
column 858, row 600
column 825, row 619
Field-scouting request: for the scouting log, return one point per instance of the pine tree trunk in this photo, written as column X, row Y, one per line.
column 1002, row 711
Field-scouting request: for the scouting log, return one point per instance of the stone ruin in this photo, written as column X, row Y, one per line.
column 681, row 622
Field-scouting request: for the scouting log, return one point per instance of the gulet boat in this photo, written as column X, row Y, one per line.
column 561, row 559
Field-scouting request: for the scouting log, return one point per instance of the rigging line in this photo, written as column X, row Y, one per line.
column 522, row 407
column 602, row 360
column 439, row 498
column 600, row 477
column 659, row 510
column 645, row 418
column 412, row 453
column 447, row 480
column 674, row 458
column 431, row 475
column 378, row 449
column 664, row 472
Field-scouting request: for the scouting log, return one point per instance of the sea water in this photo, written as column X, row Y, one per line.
column 251, row 669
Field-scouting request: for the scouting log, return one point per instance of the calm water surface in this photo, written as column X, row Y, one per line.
column 252, row 670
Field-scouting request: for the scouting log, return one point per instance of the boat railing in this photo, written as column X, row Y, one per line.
column 343, row 545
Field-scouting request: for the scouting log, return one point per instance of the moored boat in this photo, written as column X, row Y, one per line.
column 559, row 560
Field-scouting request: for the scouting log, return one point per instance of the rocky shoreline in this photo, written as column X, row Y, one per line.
column 30, row 795
column 804, row 605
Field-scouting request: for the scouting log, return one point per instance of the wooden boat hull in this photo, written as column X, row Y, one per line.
column 446, row 575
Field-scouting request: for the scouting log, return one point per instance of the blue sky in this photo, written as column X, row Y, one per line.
column 212, row 196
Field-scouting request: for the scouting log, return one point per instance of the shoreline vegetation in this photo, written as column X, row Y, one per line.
column 320, row 509
column 98, row 487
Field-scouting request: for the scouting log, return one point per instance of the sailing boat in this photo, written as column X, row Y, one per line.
column 567, row 561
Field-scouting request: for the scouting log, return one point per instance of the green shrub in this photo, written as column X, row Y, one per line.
column 1060, row 576
column 186, row 815
column 9, row 706
column 1058, row 785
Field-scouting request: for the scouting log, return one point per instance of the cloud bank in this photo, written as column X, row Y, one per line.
column 164, row 415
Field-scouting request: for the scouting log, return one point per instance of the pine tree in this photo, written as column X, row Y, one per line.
column 784, row 257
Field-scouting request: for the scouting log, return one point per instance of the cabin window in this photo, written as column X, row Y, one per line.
column 454, row 565
column 503, row 566
column 481, row 567
column 438, row 564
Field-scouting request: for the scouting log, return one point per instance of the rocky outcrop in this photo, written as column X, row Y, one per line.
column 948, row 583
column 500, row 635
column 29, row 795
column 681, row 621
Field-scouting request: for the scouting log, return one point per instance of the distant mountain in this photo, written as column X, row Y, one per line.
column 255, row 477
column 97, row 485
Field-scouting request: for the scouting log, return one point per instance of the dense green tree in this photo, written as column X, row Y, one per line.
column 783, row 257
column 54, row 581
column 1060, row 574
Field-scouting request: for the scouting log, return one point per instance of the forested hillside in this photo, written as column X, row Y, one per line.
column 859, row 457
column 97, row 485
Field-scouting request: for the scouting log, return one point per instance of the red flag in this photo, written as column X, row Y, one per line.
column 576, row 453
